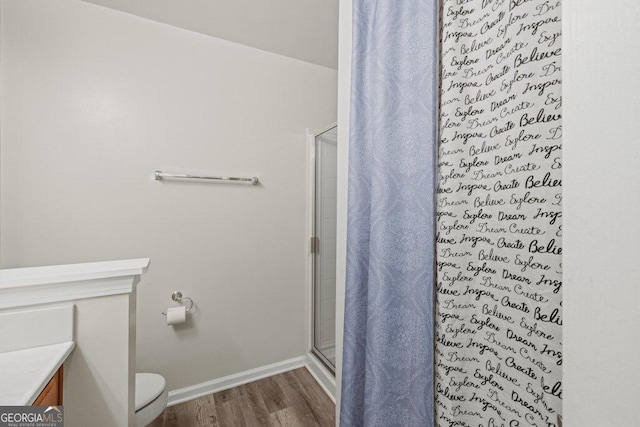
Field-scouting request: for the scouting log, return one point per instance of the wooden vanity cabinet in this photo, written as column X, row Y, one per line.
column 52, row 393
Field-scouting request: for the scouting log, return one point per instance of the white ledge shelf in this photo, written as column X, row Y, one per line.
column 40, row 285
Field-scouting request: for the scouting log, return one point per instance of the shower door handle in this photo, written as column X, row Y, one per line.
column 315, row 245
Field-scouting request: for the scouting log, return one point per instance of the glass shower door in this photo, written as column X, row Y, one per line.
column 324, row 247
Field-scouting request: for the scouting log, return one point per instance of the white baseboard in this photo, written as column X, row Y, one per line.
column 324, row 378
column 322, row 375
column 192, row 392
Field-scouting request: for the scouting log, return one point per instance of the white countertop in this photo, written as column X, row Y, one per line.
column 25, row 373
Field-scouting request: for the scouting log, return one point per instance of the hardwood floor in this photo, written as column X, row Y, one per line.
column 292, row 399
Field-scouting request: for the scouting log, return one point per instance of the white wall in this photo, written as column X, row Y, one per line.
column 93, row 102
column 303, row 29
column 601, row 152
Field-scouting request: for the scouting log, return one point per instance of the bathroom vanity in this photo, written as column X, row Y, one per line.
column 52, row 393
column 35, row 343
column 33, row 376
column 67, row 334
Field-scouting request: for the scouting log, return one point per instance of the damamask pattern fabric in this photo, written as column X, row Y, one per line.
column 388, row 338
column 499, row 241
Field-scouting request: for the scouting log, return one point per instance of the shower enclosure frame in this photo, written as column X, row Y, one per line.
column 312, row 245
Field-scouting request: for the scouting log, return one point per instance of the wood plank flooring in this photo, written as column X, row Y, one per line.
column 292, row 399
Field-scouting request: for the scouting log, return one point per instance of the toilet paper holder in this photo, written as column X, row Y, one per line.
column 177, row 297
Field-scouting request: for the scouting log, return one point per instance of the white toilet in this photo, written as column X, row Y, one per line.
column 151, row 397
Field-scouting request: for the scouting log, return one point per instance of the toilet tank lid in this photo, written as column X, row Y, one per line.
column 148, row 388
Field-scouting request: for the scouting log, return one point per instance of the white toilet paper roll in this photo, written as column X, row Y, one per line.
column 176, row 315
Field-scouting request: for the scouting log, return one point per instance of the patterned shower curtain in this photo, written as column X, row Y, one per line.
column 388, row 339
column 499, row 238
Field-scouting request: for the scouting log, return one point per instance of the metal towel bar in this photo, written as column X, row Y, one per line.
column 160, row 175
